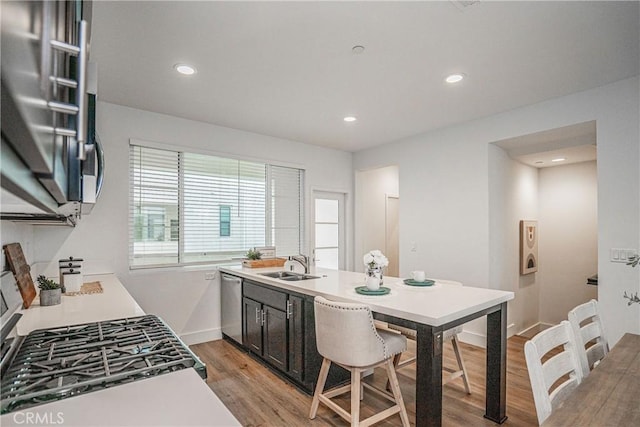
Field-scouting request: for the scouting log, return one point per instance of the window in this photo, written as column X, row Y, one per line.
column 188, row 208
column 225, row 221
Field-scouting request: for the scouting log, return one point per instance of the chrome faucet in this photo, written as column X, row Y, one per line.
column 303, row 260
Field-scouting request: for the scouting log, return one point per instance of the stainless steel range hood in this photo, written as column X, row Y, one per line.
column 17, row 210
column 24, row 199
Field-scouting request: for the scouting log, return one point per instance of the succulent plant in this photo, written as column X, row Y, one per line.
column 253, row 254
column 47, row 284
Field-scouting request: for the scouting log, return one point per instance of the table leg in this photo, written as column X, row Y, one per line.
column 496, row 398
column 428, row 376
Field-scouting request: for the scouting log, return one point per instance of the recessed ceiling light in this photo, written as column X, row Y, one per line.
column 454, row 78
column 350, row 119
column 539, row 162
column 559, row 159
column 185, row 69
column 357, row 49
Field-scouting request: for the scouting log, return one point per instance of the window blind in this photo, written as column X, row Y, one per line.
column 191, row 208
column 286, row 206
column 154, row 204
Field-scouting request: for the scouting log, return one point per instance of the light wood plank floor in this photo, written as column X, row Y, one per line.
column 257, row 397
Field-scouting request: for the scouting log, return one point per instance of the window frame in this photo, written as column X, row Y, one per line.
column 226, row 223
column 169, row 226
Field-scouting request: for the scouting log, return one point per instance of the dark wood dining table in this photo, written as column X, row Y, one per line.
column 610, row 395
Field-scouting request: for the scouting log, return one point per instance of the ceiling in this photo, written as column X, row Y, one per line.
column 574, row 144
column 286, row 69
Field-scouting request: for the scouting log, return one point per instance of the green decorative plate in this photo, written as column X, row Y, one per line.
column 363, row 290
column 412, row 282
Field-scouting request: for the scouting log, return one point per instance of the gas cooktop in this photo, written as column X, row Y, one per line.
column 57, row 363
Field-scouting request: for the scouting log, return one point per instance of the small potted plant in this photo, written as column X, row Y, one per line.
column 253, row 254
column 50, row 291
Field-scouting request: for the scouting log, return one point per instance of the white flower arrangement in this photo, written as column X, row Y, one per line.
column 375, row 258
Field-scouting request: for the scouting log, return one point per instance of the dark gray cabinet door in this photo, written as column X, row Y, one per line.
column 296, row 336
column 252, row 315
column 275, row 337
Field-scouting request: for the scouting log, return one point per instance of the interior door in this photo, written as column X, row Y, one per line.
column 392, row 237
column 329, row 230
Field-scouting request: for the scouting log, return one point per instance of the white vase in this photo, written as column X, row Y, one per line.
column 373, row 279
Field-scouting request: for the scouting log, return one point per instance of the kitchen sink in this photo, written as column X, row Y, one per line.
column 289, row 276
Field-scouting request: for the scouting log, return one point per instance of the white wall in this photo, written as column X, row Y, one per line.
column 568, row 238
column 445, row 206
column 181, row 296
column 513, row 196
column 371, row 188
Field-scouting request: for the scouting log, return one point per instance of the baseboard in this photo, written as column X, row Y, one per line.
column 480, row 340
column 524, row 331
column 197, row 337
column 473, row 338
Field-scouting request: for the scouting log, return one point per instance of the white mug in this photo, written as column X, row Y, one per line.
column 418, row 276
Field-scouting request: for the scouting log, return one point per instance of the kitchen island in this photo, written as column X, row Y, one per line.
column 175, row 398
column 428, row 310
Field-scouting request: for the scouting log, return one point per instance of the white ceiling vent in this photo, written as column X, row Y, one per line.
column 463, row 4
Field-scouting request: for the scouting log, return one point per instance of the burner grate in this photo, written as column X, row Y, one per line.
column 56, row 363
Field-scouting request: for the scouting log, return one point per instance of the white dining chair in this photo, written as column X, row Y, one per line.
column 561, row 364
column 590, row 337
column 346, row 335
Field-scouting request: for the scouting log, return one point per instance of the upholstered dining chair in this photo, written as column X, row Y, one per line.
column 562, row 364
column 346, row 335
column 590, row 337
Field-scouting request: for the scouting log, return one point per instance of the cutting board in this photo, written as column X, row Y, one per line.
column 22, row 272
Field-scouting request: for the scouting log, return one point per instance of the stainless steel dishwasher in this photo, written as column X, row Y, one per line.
column 231, row 292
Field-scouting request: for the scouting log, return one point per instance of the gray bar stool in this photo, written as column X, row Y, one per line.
column 449, row 335
column 346, row 335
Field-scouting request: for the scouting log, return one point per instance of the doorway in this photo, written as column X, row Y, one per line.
column 550, row 177
column 377, row 216
column 328, row 232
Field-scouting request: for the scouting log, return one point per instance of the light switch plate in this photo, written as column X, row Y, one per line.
column 621, row 255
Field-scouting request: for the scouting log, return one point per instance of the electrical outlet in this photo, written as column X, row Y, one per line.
column 210, row 275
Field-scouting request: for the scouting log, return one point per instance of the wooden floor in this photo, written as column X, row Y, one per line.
column 257, row 397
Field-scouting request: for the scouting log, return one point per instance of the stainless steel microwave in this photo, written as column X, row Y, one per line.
column 51, row 157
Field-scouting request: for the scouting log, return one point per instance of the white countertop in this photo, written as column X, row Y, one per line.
column 113, row 303
column 432, row 305
column 180, row 398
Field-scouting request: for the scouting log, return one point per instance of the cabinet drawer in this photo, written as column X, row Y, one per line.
column 265, row 295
